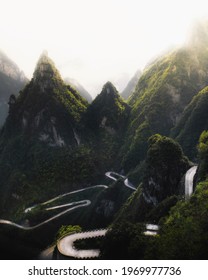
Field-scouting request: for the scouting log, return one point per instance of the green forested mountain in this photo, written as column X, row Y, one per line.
column 46, row 108
column 107, row 119
column 12, row 80
column 170, row 98
column 55, row 142
column 166, row 87
column 42, row 140
column 193, row 121
column 108, row 110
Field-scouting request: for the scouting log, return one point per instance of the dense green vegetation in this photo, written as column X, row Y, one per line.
column 203, row 156
column 187, row 227
column 183, row 233
column 160, row 181
column 165, row 167
column 163, row 91
column 67, row 230
column 192, row 123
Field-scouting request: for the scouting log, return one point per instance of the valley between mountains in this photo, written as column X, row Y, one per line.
column 71, row 165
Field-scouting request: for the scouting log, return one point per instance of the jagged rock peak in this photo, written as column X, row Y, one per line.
column 109, row 89
column 45, row 69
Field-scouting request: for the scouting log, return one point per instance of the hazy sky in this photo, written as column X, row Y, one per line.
column 94, row 41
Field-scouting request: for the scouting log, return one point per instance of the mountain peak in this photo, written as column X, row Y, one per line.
column 108, row 110
column 109, row 89
column 46, row 71
column 10, row 68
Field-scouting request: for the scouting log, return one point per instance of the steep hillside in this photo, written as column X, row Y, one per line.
column 164, row 90
column 12, row 80
column 193, row 121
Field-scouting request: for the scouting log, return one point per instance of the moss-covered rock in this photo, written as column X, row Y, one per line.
column 165, row 167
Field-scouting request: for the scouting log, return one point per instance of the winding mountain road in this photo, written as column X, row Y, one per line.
column 189, row 181
column 76, row 205
column 151, row 229
column 127, row 183
column 82, row 203
column 72, row 205
column 63, row 195
column 112, row 174
column 66, row 244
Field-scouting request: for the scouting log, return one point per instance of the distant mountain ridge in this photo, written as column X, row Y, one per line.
column 83, row 92
column 130, row 87
column 9, row 68
column 12, row 80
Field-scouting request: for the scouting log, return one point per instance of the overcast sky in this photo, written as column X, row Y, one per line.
column 94, row 41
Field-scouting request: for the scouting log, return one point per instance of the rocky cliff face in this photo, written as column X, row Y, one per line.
column 165, row 167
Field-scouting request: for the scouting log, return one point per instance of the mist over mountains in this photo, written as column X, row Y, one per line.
column 124, row 161
column 130, row 87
